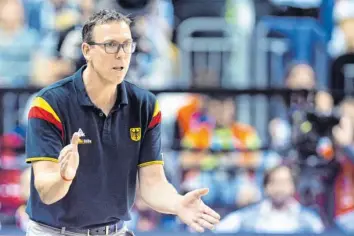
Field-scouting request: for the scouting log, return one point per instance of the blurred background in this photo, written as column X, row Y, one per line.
column 256, row 97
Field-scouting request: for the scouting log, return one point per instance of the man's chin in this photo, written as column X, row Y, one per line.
column 279, row 202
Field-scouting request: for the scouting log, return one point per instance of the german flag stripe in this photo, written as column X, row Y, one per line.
column 43, row 104
column 155, row 120
column 156, row 117
column 156, row 110
column 39, row 113
column 42, row 110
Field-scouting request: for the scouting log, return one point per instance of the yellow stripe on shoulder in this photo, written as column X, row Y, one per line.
column 41, row 103
column 157, row 109
column 32, row 159
column 151, row 163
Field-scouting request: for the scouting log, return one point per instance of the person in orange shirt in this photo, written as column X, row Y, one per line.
column 214, row 131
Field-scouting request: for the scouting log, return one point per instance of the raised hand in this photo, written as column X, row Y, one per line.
column 69, row 158
column 193, row 212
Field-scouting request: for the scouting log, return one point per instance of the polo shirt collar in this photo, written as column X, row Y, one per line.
column 84, row 99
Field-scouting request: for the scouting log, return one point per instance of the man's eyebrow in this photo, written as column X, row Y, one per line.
column 115, row 41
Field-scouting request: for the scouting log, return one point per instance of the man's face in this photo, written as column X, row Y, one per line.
column 301, row 76
column 223, row 111
column 281, row 186
column 11, row 13
column 112, row 67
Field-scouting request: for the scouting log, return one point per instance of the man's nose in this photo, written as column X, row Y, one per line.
column 120, row 53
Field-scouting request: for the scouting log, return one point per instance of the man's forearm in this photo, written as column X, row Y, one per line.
column 51, row 187
column 161, row 196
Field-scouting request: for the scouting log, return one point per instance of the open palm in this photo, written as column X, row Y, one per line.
column 193, row 212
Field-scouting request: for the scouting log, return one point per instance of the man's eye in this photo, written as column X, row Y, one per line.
column 111, row 44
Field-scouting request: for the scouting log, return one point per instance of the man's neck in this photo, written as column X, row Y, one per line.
column 103, row 95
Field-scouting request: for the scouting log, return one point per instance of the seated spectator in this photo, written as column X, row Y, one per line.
column 278, row 213
column 219, row 138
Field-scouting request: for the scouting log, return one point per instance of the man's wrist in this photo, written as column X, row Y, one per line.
column 177, row 204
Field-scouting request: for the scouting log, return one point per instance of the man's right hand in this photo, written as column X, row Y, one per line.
column 69, row 159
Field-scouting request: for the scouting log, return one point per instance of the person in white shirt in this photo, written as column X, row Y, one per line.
column 278, row 213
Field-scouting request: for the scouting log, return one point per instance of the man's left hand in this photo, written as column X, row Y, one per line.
column 193, row 212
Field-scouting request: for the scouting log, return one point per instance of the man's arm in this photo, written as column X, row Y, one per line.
column 53, row 180
column 161, row 195
column 54, row 166
column 50, row 185
column 156, row 191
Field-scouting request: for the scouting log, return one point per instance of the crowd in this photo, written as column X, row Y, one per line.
column 278, row 165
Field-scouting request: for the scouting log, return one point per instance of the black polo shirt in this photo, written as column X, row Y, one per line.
column 115, row 147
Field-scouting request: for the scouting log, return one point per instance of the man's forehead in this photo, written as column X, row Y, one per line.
column 118, row 31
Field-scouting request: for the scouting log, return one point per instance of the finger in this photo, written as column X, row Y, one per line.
column 197, row 227
column 65, row 156
column 75, row 141
column 64, row 166
column 205, row 224
column 209, row 218
column 207, row 210
column 65, row 151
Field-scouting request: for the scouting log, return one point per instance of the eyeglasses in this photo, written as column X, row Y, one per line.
column 114, row 47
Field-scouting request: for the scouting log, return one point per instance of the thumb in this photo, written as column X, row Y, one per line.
column 75, row 141
column 198, row 193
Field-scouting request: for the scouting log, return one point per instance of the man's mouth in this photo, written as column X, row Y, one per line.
column 118, row 68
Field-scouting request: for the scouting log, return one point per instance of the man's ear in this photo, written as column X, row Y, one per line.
column 85, row 48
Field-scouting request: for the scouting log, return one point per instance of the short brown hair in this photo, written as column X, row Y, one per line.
column 271, row 171
column 99, row 18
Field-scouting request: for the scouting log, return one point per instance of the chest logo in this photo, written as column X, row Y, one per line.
column 135, row 134
column 81, row 135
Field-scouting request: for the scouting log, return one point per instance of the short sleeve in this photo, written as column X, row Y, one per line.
column 150, row 152
column 44, row 138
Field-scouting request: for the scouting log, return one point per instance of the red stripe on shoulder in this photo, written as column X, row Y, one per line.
column 155, row 120
column 39, row 113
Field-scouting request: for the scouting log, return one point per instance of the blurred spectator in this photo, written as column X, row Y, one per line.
column 278, row 213
column 18, row 46
column 213, row 131
column 344, row 185
column 70, row 39
column 292, row 112
column 342, row 40
column 49, row 18
column 153, row 64
column 301, row 76
column 316, row 156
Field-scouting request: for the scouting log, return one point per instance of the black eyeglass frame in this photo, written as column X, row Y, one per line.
column 119, row 46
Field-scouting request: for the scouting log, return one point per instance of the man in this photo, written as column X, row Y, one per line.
column 279, row 213
column 90, row 135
